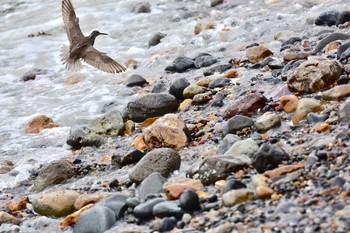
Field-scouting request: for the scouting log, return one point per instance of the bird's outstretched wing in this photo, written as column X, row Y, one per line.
column 102, row 61
column 71, row 22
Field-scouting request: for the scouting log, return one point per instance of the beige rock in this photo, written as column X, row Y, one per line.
column 337, row 92
column 129, row 127
column 204, row 82
column 176, row 186
column 192, row 90
column 260, row 180
column 222, row 228
column 306, row 106
column 74, row 79
column 263, row 191
column 258, row 53
column 167, row 131
column 199, row 27
column 89, row 198
column 295, row 56
column 38, row 123
column 237, row 196
column 18, row 203
column 8, row 218
column 6, row 166
column 55, row 204
column 332, row 46
column 289, row 103
column 185, row 105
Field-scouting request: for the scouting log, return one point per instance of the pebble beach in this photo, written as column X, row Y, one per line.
column 232, row 116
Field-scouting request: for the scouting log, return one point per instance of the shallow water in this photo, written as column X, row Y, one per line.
column 238, row 24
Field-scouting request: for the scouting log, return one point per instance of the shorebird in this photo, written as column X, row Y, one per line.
column 81, row 47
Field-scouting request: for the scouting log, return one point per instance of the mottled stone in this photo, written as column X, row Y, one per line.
column 305, row 106
column 247, row 147
column 237, row 123
column 255, row 54
column 204, row 60
column 176, row 186
column 202, row 98
column 190, row 91
column 237, row 196
column 8, row 218
column 227, row 142
column 39, row 123
column 337, row 93
column 267, row 121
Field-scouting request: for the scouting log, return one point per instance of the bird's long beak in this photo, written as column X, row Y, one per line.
column 101, row 33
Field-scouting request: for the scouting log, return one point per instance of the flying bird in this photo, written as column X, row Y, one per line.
column 81, row 47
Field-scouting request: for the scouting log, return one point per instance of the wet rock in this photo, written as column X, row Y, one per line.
column 141, row 7
column 289, row 67
column 204, row 60
column 125, row 158
column 8, row 218
column 246, row 106
column 283, row 170
column 343, row 52
column 218, row 167
column 150, row 105
column 82, row 135
column 258, row 53
column 227, row 142
column 218, row 68
column 223, row 228
column 295, row 56
column 145, row 210
column 237, row 196
column 247, row 147
column 54, row 173
column 344, row 112
column 214, row 3
column 31, row 74
column 89, row 198
column 289, row 103
column 135, row 80
column 233, row 184
column 6, row 166
column 337, row 92
column 314, row 75
column 166, row 224
column 153, row 184
column 268, row 157
column 180, row 65
column 155, row 39
column 218, row 100
column 185, row 105
column 55, row 204
column 177, row 88
column 176, row 187
column 331, row 18
column 202, row 26
column 343, row 79
column 237, row 123
column 17, row 203
column 260, row 180
column 167, row 131
column 189, row 200
column 305, row 106
column 192, row 90
column 263, row 192
column 291, row 41
column 231, row 74
column 39, row 123
column 267, row 121
column 219, row 82
column 323, row 127
column 203, row 98
column 167, row 209
column 163, row 160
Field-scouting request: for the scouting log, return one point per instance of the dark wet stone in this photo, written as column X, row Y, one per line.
column 150, row 105
column 153, row 184
column 204, row 60
column 189, row 200
column 122, row 158
column 214, row 3
column 345, row 56
column 268, row 157
column 219, row 68
column 135, row 80
column 177, row 88
column 132, row 202
column 343, row 79
column 227, row 142
column 159, row 87
column 276, row 64
column 155, row 39
column 141, row 7
column 262, row 63
column 145, row 210
column 218, row 100
column 54, row 173
column 291, row 41
column 31, row 74
column 321, row 155
column 219, row 82
column 246, row 106
column 338, row 181
column 218, row 167
column 237, row 123
column 233, row 184
column 331, row 18
column 341, row 49
column 168, row 209
column 167, row 224
column 180, row 64
column 162, row 160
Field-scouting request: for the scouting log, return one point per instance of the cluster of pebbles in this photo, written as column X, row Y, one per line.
column 217, row 153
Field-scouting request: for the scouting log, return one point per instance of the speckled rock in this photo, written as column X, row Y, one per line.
column 267, row 121
column 314, row 75
column 305, row 106
column 237, row 196
column 192, row 90
column 162, row 160
column 204, row 60
column 247, row 147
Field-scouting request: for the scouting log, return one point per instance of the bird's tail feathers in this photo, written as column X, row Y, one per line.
column 71, row 64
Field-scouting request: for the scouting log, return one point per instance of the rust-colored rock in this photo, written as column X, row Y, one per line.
column 73, row 218
column 323, row 127
column 175, row 187
column 18, row 203
column 139, row 143
column 231, row 74
column 263, row 191
column 38, row 123
column 337, row 92
column 258, row 53
column 247, row 106
column 283, row 170
column 295, row 56
column 167, row 131
column 129, row 127
column 289, row 103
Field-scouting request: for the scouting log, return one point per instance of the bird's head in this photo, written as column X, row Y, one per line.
column 97, row 33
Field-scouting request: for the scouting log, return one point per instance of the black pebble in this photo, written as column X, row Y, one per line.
column 189, row 200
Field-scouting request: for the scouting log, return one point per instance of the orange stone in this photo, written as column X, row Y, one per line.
column 258, row 53
column 175, row 187
column 73, row 218
column 323, row 127
column 38, row 123
column 18, row 203
column 139, row 143
column 231, row 74
column 289, row 103
column 283, row 170
column 295, row 56
column 263, row 191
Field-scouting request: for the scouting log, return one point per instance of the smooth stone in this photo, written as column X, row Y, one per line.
column 39, row 123
column 132, row 202
column 233, row 184
column 123, row 158
column 177, row 87
column 295, row 56
column 260, row 180
column 237, row 196
column 189, row 200
column 263, row 192
column 54, row 173
column 217, row 69
column 203, row 98
column 145, row 210
column 167, row 224
column 219, row 82
column 237, row 123
column 89, row 198
column 190, row 91
column 214, row 3
column 267, row 121
column 178, row 185
column 156, row 39
column 314, row 75
column 343, row 79
column 185, row 105
column 150, row 105
column 268, row 157
column 331, row 18
column 204, row 60
column 134, row 80
column 153, row 184
column 8, row 218
column 162, row 160
column 337, row 93
column 180, row 64
column 55, row 204
column 168, row 209
column 344, row 112
column 246, row 106
column 141, row 7
column 306, row 106
column 258, row 53
column 214, row 168
column 31, row 74
column 218, row 100
column 227, row 142
column 289, row 103
column 282, row 170
column 247, row 147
